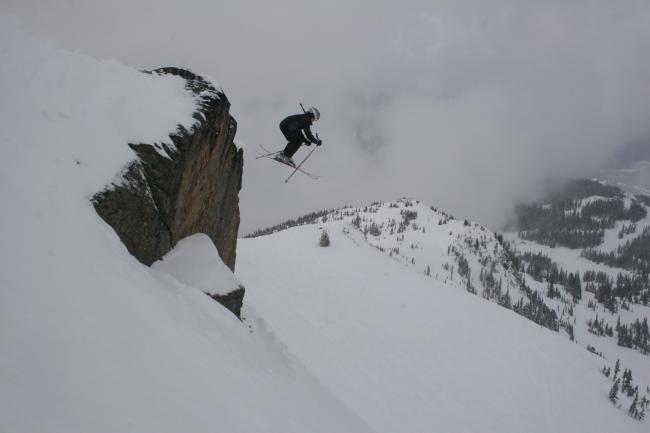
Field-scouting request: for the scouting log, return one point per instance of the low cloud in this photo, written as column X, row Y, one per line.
column 469, row 106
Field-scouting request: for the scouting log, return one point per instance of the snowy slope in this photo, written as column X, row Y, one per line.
column 410, row 352
column 91, row 340
column 571, row 260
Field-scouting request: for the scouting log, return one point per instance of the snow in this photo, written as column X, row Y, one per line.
column 571, row 261
column 411, row 353
column 429, row 244
column 611, row 241
column 92, row 340
column 340, row 339
column 195, row 261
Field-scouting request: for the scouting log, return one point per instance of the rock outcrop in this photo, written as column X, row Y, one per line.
column 171, row 192
column 232, row 301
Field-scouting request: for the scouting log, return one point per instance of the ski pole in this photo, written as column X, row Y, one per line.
column 304, row 111
column 267, row 154
column 303, row 161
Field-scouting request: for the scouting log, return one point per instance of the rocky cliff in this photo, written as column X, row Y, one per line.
column 172, row 191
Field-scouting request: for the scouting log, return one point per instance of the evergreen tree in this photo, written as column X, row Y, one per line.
column 626, row 384
column 634, row 410
column 607, row 371
column 643, row 407
column 613, row 392
column 357, row 222
column 324, row 239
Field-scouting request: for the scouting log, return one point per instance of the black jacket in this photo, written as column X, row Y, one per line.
column 298, row 124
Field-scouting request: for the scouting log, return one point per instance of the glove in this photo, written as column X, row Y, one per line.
column 319, row 142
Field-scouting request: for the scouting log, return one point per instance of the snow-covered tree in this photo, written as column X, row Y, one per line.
column 324, row 239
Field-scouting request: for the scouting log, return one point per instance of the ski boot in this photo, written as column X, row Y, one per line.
column 281, row 157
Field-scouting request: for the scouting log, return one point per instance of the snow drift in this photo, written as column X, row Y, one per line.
column 196, row 262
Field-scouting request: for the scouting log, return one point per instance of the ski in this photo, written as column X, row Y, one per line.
column 297, row 168
column 264, row 153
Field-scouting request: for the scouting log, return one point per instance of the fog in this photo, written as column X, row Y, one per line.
column 469, row 106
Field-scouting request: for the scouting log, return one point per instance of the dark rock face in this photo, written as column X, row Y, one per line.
column 193, row 189
column 232, row 301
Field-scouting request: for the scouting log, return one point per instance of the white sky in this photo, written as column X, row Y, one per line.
column 466, row 105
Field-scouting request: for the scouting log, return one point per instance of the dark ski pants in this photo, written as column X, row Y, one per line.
column 295, row 140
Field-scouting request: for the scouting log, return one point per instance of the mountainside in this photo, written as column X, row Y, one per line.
column 457, row 253
column 390, row 318
column 587, row 248
column 92, row 340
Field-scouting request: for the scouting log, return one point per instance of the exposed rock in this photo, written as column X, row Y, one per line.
column 171, row 192
column 232, row 301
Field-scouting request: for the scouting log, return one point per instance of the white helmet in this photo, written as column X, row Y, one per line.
column 314, row 112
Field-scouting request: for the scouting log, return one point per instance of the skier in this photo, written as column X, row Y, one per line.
column 296, row 130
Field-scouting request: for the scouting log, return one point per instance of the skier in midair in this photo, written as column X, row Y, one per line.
column 296, row 130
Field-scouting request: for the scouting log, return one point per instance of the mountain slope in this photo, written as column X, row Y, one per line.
column 91, row 339
column 587, row 228
column 408, row 352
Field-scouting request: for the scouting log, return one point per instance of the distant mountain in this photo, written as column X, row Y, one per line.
column 634, row 178
column 630, row 168
column 284, row 268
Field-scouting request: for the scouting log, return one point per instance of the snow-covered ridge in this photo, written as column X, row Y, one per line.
column 427, row 240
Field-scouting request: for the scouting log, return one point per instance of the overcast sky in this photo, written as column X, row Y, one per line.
column 465, row 105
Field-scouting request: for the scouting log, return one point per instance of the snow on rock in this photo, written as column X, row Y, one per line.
column 193, row 188
column 195, row 261
column 91, row 340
